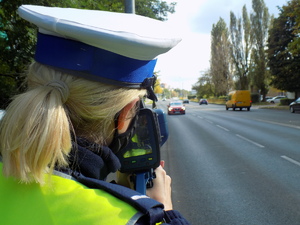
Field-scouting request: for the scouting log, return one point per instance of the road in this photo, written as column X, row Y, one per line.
column 234, row 167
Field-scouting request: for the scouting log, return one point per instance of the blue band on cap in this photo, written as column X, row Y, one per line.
column 76, row 56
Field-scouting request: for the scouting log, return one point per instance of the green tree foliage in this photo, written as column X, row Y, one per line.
column 155, row 9
column 283, row 53
column 204, row 86
column 220, row 58
column 241, row 40
column 294, row 45
column 18, row 37
column 157, row 88
column 166, row 93
column 260, row 22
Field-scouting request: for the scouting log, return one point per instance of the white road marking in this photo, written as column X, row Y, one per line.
column 290, row 160
column 253, row 142
column 209, row 121
column 281, row 124
column 223, row 128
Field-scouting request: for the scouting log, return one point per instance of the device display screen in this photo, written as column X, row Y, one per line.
column 143, row 151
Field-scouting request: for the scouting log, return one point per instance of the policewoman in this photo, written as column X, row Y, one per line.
column 59, row 139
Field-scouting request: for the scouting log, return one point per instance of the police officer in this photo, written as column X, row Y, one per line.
column 59, row 138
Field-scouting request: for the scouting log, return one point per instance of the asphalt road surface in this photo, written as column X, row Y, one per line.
column 234, row 167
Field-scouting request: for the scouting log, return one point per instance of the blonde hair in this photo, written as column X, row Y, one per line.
column 35, row 132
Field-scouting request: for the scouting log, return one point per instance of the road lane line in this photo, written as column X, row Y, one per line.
column 223, row 128
column 290, row 160
column 281, row 124
column 253, row 142
column 209, row 121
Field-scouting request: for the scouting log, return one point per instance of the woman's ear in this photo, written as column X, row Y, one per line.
column 125, row 115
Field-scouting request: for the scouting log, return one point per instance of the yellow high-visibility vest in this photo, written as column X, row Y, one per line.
column 61, row 202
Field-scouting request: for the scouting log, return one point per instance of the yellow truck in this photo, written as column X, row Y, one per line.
column 239, row 99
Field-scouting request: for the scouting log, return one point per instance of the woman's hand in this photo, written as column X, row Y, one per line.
column 161, row 190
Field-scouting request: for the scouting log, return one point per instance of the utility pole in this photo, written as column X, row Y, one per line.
column 130, row 6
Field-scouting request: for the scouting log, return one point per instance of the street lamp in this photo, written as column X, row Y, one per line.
column 130, row 6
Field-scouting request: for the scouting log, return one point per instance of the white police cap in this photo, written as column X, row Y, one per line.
column 111, row 47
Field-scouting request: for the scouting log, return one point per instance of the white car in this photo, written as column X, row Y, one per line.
column 276, row 99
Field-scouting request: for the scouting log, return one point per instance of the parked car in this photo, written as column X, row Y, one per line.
column 186, row 101
column 203, row 101
column 176, row 108
column 295, row 106
column 276, row 99
column 267, row 97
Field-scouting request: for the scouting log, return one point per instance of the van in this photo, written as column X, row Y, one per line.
column 239, row 99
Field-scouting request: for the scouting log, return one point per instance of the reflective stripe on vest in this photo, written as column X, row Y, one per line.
column 62, row 201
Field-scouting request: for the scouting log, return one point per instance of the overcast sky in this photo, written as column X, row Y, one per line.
column 181, row 67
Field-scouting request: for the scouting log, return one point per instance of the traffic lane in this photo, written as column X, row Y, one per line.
column 276, row 137
column 267, row 115
column 254, row 130
column 213, row 171
column 214, row 183
column 250, row 125
column 272, row 116
column 281, row 141
column 272, row 140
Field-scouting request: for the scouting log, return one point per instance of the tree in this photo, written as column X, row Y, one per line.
column 155, row 9
column 241, row 43
column 157, row 87
column 220, row 58
column 166, row 93
column 294, row 45
column 284, row 58
column 260, row 22
column 204, row 87
column 18, row 37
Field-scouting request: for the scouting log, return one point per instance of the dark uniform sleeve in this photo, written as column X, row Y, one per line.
column 171, row 217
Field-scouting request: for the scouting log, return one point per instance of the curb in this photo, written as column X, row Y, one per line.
column 272, row 107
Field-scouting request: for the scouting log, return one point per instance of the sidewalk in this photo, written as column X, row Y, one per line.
column 274, row 106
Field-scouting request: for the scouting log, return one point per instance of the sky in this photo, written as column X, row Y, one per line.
column 183, row 65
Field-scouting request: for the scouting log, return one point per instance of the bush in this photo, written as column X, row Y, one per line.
column 286, row 101
column 223, row 97
column 255, row 97
column 191, row 96
column 217, row 100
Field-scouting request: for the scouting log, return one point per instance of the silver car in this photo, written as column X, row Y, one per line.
column 276, row 99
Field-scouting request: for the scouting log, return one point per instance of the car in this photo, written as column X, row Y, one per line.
column 176, row 107
column 203, row 101
column 276, row 99
column 295, row 106
column 267, row 98
column 186, row 101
